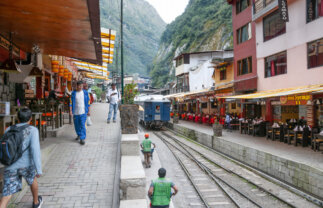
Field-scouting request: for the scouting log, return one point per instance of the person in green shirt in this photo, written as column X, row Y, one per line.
column 146, row 147
column 160, row 190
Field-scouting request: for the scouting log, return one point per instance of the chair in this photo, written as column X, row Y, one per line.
column 316, row 142
column 276, row 134
column 251, row 129
column 269, row 131
column 288, row 135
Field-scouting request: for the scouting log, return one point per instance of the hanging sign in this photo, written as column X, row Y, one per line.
column 295, row 99
column 5, row 44
column 283, row 10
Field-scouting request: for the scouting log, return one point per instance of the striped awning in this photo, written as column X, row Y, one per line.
column 108, row 38
column 93, row 68
column 279, row 92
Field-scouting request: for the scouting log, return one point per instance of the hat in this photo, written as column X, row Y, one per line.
column 146, row 135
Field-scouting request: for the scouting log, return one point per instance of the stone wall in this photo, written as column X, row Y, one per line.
column 299, row 175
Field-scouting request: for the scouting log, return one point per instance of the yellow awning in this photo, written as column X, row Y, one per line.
column 279, row 92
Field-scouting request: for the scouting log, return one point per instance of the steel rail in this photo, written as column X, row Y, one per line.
column 218, row 153
column 187, row 173
column 202, row 168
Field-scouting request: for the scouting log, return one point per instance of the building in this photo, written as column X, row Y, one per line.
column 244, row 44
column 290, row 55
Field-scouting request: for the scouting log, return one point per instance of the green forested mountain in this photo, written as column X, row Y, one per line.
column 143, row 28
column 205, row 25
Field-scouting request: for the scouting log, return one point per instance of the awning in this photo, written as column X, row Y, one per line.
column 66, row 28
column 279, row 92
column 183, row 94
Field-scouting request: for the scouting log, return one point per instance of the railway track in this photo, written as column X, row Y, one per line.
column 216, row 185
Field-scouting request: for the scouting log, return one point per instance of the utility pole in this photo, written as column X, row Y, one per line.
column 121, row 42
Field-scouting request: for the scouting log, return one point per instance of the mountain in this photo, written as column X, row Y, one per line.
column 205, row 25
column 143, row 28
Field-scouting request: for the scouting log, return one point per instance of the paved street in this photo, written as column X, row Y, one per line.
column 81, row 176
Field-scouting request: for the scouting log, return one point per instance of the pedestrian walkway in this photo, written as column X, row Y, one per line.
column 82, row 176
column 299, row 154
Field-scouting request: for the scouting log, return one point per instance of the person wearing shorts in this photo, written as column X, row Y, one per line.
column 27, row 167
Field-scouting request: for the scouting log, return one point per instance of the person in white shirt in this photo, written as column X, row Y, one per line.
column 114, row 97
column 80, row 108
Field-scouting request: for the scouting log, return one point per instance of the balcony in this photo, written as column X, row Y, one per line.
column 182, row 89
column 262, row 7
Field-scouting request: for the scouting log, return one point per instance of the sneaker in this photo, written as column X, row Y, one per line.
column 77, row 138
column 82, row 142
column 108, row 121
column 40, row 202
column 114, row 121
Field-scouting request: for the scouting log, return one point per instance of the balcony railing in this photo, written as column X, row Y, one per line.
column 261, row 4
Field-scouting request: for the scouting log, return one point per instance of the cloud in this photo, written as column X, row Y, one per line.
column 169, row 9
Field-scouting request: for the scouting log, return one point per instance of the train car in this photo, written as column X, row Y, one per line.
column 154, row 111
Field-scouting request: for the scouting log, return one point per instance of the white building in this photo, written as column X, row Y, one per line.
column 194, row 70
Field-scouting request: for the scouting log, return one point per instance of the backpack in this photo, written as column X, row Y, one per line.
column 11, row 145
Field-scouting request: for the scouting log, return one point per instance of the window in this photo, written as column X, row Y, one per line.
column 315, row 53
column 314, row 9
column 245, row 66
column 204, row 105
column 244, row 33
column 187, row 59
column 179, row 61
column 223, row 74
column 273, row 26
column 276, row 64
column 242, row 5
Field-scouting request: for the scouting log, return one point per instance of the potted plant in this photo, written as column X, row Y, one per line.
column 129, row 110
column 217, row 128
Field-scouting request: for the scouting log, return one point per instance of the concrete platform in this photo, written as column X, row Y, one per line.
column 130, row 145
column 139, row 203
column 297, row 166
column 132, row 179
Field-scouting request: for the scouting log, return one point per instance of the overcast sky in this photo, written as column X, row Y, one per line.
column 169, row 9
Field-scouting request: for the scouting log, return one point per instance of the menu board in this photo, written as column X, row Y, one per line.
column 277, row 112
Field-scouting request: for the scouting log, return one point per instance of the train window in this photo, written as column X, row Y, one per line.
column 157, row 109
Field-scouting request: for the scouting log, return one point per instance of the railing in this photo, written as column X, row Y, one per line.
column 182, row 89
column 261, row 4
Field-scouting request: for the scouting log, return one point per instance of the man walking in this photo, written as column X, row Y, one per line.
column 114, row 98
column 146, row 147
column 160, row 190
column 27, row 166
column 80, row 109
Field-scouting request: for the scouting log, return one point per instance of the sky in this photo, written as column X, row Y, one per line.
column 169, row 9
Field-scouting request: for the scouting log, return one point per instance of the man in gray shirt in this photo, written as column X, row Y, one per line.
column 28, row 166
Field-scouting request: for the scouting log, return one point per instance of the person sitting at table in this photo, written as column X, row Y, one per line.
column 53, row 94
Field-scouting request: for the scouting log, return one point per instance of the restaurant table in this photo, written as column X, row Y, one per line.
column 4, row 120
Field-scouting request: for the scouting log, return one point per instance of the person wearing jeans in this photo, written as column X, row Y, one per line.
column 114, row 97
column 28, row 166
column 80, row 108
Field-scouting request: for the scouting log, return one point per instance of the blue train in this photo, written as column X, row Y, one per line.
column 154, row 111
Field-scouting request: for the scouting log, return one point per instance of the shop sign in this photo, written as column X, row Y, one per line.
column 295, row 99
column 6, row 44
column 283, row 10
